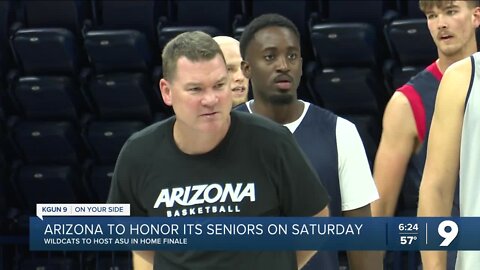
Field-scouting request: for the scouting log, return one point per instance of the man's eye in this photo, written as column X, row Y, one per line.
column 219, row 86
column 451, row 12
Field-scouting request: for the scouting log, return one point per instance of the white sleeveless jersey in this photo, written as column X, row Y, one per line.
column 469, row 162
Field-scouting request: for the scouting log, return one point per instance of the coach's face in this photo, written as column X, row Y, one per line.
column 273, row 63
column 199, row 95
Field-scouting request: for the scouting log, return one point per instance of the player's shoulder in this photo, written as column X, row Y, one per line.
column 318, row 117
column 398, row 104
column 463, row 67
column 320, row 112
column 457, row 82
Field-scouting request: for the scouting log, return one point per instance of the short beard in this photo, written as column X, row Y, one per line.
column 283, row 99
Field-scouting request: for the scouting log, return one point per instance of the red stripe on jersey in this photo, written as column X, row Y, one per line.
column 417, row 107
column 433, row 68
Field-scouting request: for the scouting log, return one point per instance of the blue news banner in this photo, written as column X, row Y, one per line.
column 265, row 233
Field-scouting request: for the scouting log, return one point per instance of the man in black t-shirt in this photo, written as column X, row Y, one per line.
column 209, row 161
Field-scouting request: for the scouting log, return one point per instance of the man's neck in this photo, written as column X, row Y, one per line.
column 282, row 114
column 195, row 143
column 444, row 62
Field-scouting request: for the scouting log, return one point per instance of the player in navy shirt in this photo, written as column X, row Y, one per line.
column 270, row 47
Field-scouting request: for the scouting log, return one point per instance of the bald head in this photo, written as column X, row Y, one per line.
column 231, row 51
column 226, row 40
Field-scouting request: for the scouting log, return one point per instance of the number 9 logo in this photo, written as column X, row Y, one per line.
column 448, row 236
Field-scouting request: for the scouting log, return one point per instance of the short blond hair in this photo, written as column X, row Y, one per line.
column 195, row 46
column 428, row 5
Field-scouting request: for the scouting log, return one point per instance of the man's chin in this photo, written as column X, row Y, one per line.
column 282, row 99
column 239, row 100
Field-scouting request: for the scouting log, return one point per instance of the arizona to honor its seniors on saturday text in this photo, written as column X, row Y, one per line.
column 217, row 229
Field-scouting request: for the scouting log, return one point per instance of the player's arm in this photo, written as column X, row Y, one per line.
column 443, row 157
column 303, row 256
column 300, row 196
column 143, row 259
column 357, row 188
column 398, row 142
column 363, row 259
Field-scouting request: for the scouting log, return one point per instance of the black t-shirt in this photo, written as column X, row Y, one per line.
column 256, row 170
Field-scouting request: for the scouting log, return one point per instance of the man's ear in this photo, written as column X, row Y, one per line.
column 246, row 69
column 476, row 17
column 301, row 66
column 165, row 90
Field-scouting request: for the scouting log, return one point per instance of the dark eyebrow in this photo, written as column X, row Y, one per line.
column 450, row 6
column 193, row 84
column 269, row 49
column 447, row 6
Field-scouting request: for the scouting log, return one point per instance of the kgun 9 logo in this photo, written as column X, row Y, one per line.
column 448, row 235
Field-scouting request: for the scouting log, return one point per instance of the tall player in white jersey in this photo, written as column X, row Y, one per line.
column 454, row 149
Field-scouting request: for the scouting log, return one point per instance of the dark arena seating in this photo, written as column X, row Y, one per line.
column 78, row 77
